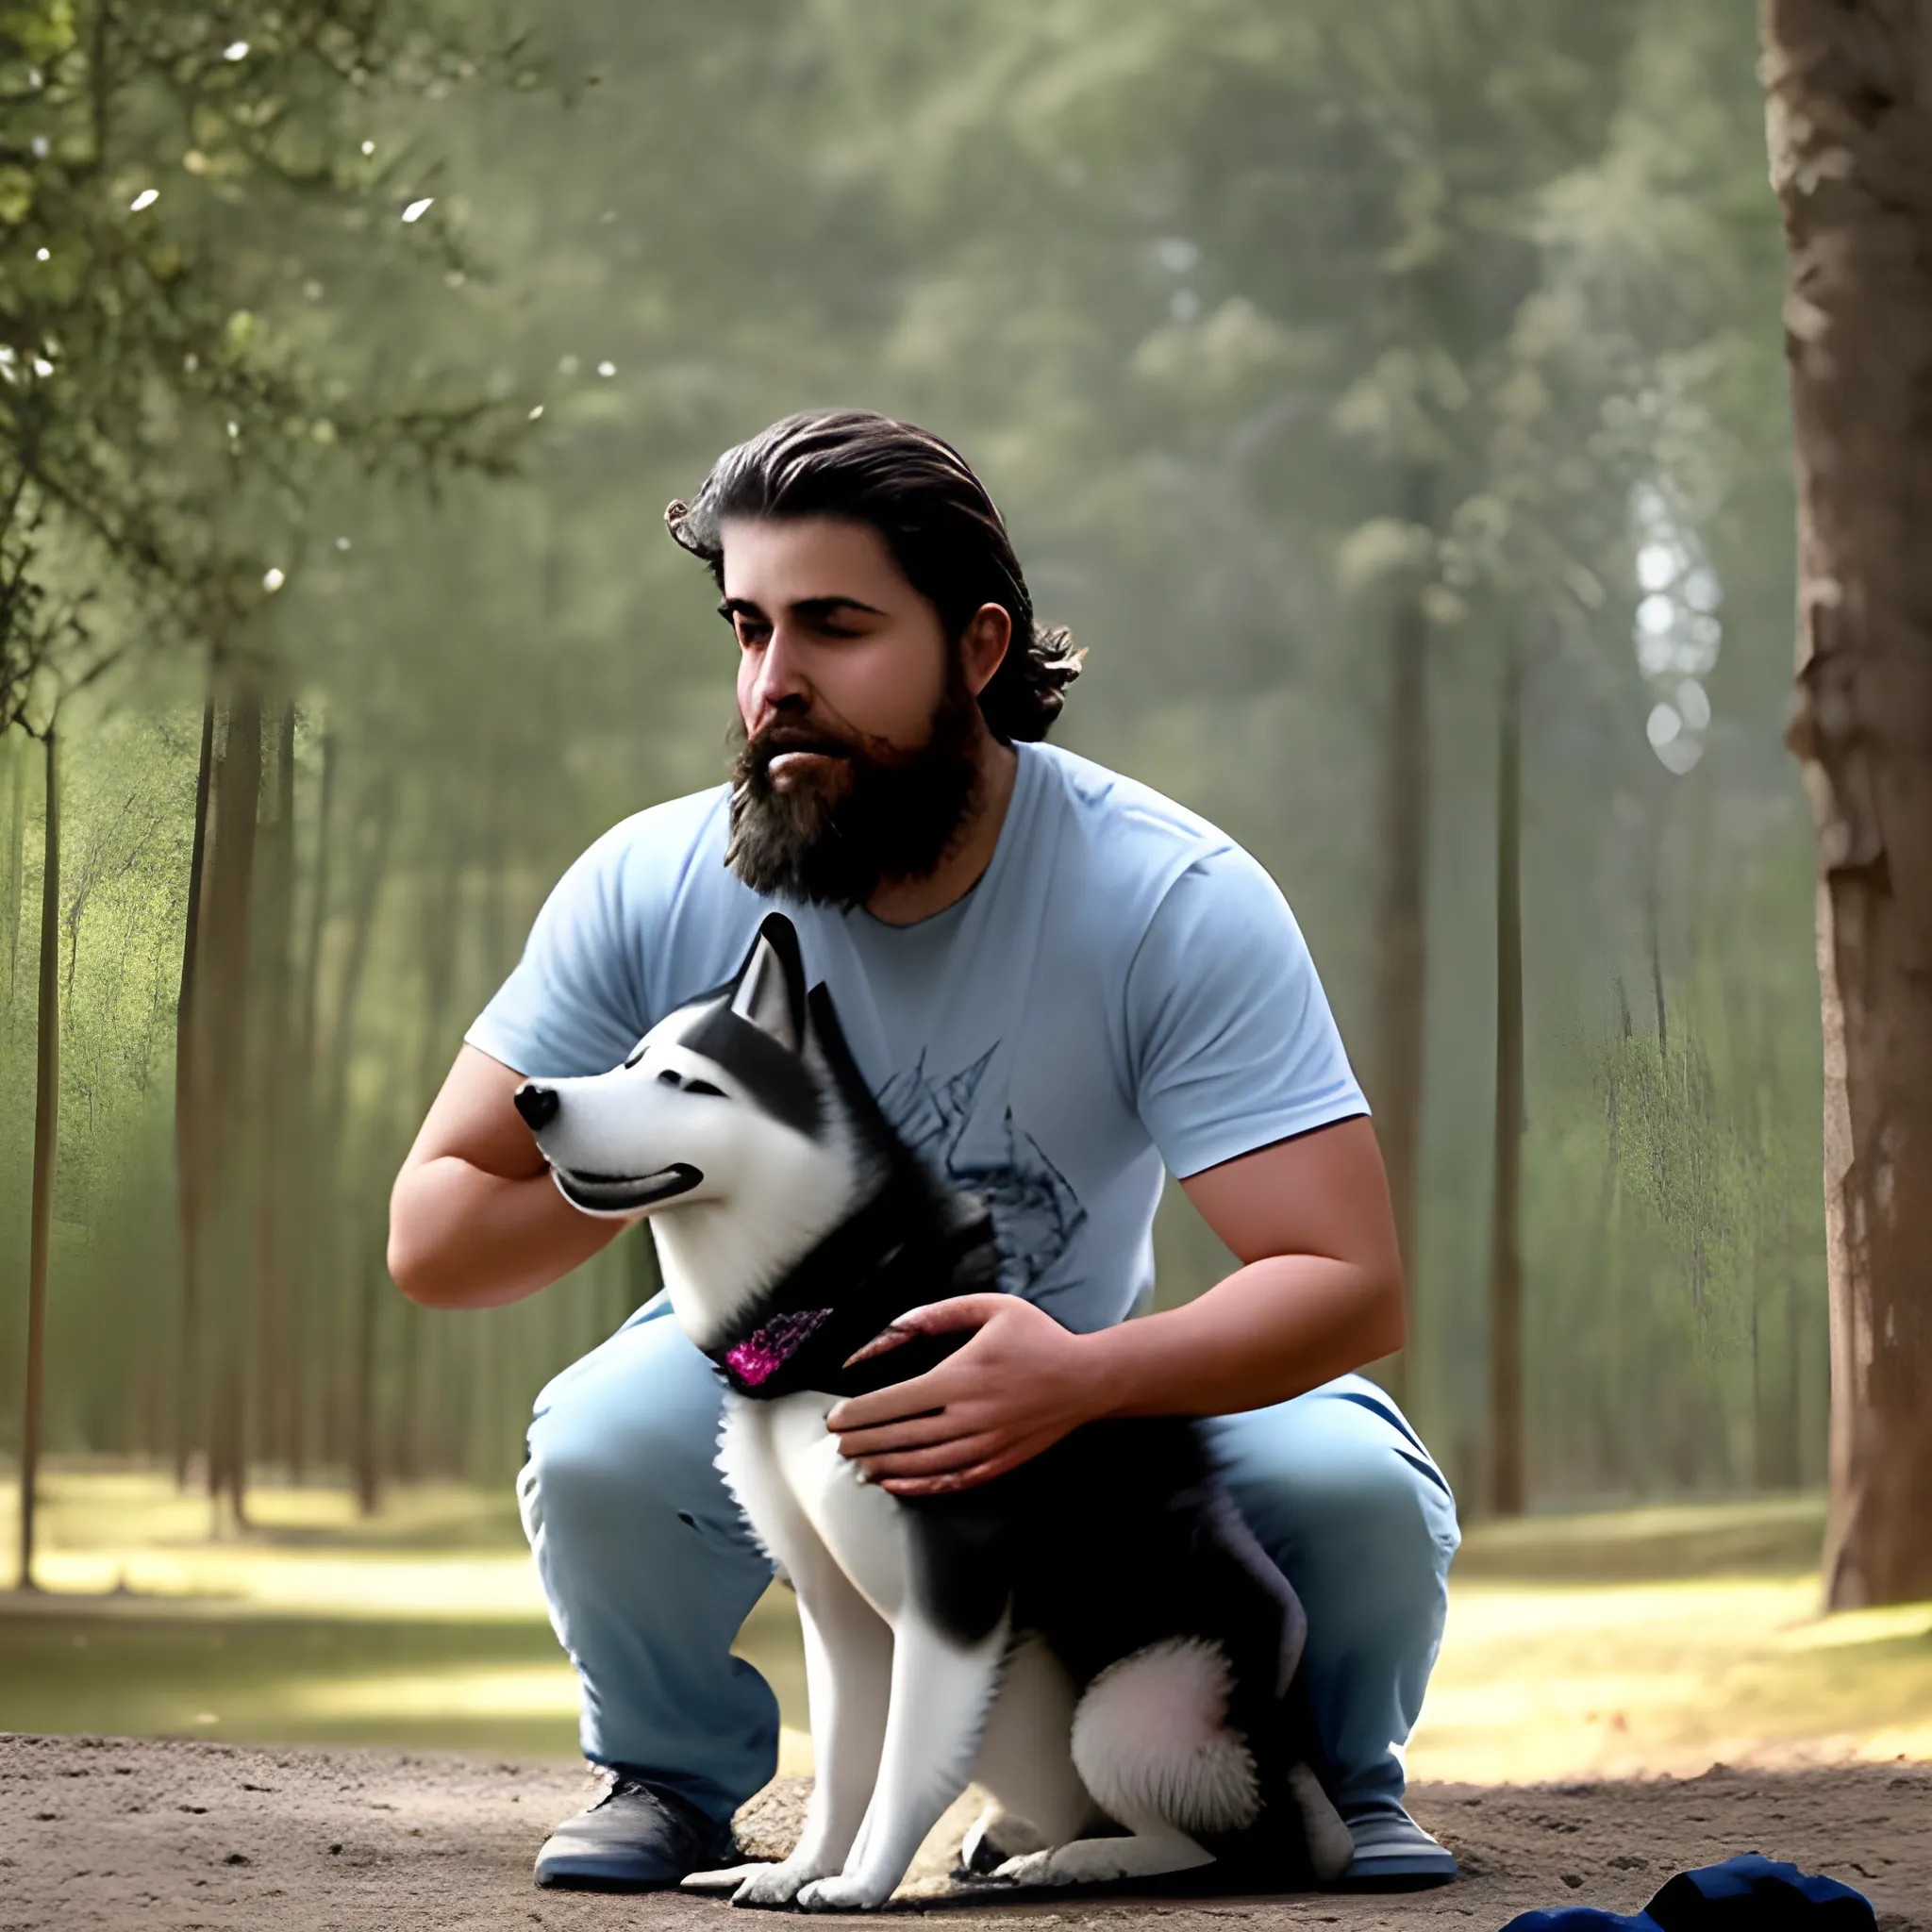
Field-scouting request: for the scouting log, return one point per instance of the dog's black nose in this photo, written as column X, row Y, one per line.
column 537, row 1105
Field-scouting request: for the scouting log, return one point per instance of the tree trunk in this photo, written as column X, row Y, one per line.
column 16, row 857
column 309, row 1206
column 47, row 1150
column 352, row 1426
column 228, row 1138
column 367, row 1447
column 1849, row 119
column 1507, row 1466
column 1401, row 916
column 276, row 1380
column 189, row 1163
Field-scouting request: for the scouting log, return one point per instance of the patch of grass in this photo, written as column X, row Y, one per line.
column 1615, row 1643
column 1780, row 1536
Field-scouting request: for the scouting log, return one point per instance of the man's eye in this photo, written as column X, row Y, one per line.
column 750, row 635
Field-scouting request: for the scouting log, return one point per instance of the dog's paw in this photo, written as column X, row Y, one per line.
column 842, row 1894
column 1032, row 1867
column 772, row 1885
column 994, row 1838
column 729, row 1879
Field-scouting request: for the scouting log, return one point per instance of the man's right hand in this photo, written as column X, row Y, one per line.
column 475, row 1219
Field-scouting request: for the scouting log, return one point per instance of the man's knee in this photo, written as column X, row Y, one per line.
column 608, row 1455
column 1341, row 1491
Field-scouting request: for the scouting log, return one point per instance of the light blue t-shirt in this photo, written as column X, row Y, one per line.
column 1124, row 986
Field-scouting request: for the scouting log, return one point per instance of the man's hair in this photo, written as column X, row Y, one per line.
column 922, row 497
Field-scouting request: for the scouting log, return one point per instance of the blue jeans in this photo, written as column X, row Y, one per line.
column 650, row 1571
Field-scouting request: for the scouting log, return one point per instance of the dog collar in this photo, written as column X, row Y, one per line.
column 909, row 1245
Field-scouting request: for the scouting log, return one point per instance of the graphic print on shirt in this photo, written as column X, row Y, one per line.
column 1034, row 1212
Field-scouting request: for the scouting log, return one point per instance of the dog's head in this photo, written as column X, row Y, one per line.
column 736, row 1123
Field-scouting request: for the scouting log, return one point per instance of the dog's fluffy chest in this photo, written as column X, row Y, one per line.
column 804, row 1501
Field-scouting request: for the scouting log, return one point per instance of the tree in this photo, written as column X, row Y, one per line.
column 1849, row 119
column 46, row 1141
column 169, row 411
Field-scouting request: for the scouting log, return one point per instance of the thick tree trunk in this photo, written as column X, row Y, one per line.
column 1849, row 119
column 46, row 1151
column 1402, row 914
column 1507, row 1459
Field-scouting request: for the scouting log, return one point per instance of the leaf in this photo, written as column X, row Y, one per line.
column 16, row 195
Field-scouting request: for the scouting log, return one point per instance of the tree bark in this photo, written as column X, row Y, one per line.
column 1507, row 1459
column 1849, row 123
column 188, row 1161
column 276, row 1377
column 46, row 1152
column 227, row 1138
column 1402, row 916
column 16, row 858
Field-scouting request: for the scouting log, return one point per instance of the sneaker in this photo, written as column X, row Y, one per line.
column 635, row 1836
column 1393, row 1853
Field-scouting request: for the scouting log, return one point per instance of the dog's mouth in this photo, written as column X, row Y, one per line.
column 612, row 1193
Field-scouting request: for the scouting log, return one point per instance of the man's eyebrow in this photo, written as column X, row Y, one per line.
column 811, row 608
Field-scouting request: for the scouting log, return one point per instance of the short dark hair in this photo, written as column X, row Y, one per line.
column 921, row 495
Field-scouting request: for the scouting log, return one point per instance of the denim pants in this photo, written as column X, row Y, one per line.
column 650, row 1571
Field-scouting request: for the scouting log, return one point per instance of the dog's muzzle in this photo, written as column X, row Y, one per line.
column 610, row 1194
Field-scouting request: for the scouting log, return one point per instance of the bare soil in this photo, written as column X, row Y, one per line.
column 162, row 1833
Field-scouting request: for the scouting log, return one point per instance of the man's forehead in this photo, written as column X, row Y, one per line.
column 790, row 560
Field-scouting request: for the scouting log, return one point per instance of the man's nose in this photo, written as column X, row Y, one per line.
column 781, row 683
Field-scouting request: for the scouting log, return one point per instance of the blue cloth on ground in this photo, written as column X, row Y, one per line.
column 1748, row 1893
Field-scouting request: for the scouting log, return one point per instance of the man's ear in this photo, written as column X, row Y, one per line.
column 984, row 646
column 770, row 989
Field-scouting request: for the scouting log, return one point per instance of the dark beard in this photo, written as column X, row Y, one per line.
column 894, row 817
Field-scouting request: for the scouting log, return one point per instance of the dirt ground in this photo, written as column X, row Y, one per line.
column 172, row 1834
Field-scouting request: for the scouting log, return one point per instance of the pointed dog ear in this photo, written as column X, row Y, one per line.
column 770, row 988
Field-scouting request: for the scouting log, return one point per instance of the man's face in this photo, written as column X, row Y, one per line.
column 861, row 741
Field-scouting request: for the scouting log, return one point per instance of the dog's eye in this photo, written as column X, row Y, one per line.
column 703, row 1086
column 666, row 1079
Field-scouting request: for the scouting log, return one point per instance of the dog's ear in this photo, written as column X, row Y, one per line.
column 770, row 988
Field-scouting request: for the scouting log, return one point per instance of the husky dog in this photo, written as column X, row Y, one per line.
column 1095, row 1636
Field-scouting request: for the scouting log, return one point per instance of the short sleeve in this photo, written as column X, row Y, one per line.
column 574, row 1003
column 1230, row 1037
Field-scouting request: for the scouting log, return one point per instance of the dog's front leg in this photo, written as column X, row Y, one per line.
column 942, row 1691
column 848, row 1678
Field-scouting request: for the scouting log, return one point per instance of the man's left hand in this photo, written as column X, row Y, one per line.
column 1016, row 1387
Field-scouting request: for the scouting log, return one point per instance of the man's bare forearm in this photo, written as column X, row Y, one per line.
column 462, row 1238
column 1274, row 1329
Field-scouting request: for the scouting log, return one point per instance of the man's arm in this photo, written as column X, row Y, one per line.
column 475, row 1219
column 1320, row 1292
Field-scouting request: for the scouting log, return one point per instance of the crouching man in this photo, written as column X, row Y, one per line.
column 1059, row 983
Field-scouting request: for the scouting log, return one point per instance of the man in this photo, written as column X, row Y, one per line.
column 1056, row 980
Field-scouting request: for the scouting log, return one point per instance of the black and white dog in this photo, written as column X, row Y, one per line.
column 1095, row 1636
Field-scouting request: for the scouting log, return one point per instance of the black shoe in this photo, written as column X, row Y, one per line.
column 637, row 1837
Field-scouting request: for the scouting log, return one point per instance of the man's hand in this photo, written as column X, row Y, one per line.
column 1319, row 1291
column 1021, row 1384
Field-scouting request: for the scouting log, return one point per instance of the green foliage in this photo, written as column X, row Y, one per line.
column 174, row 185
column 1254, row 318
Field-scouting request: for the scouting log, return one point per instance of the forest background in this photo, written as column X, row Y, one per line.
column 1391, row 396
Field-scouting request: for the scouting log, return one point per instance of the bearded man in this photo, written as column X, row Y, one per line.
column 1058, row 984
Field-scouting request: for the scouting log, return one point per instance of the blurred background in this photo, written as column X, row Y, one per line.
column 1390, row 394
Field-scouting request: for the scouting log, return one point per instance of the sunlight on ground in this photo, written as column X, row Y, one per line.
column 1616, row 1643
